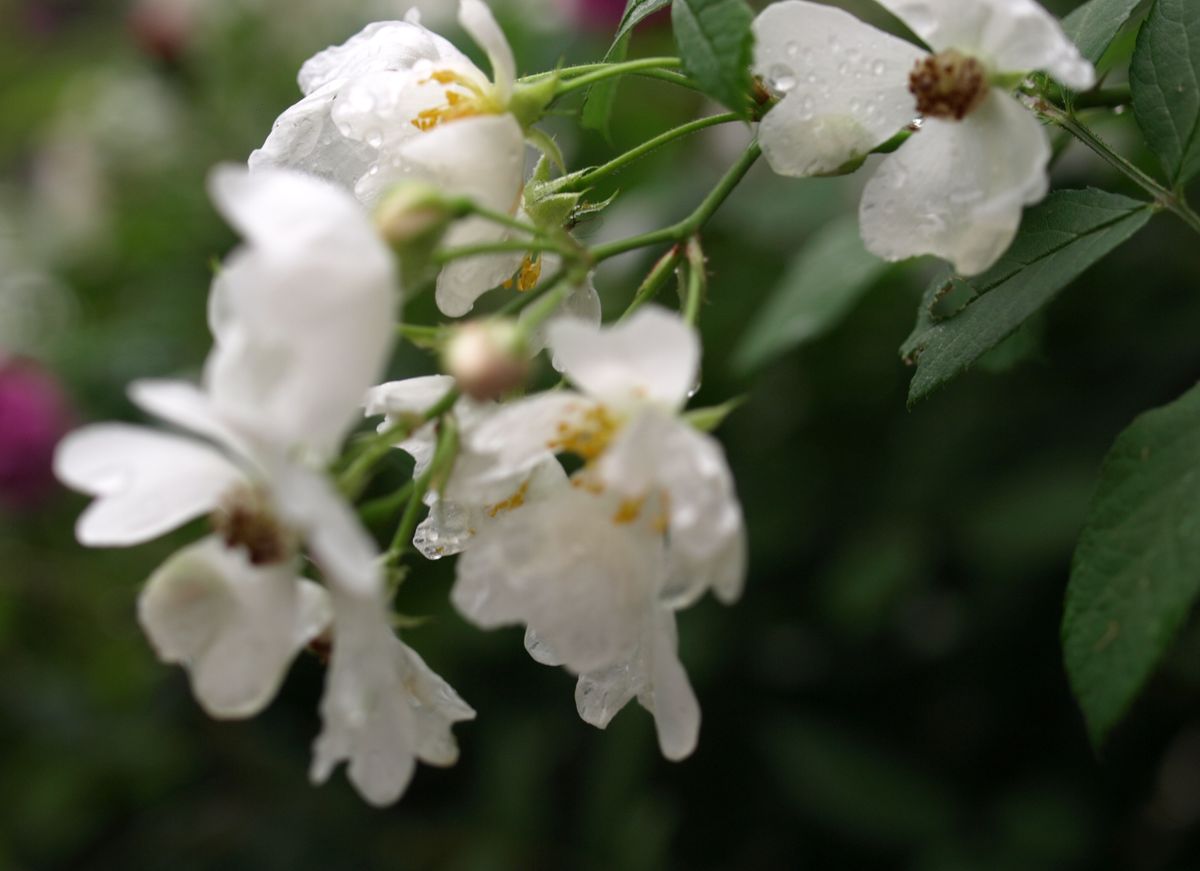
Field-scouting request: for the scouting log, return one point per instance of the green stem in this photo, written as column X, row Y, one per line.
column 618, row 163
column 654, row 280
column 609, row 71
column 697, row 278
column 528, row 246
column 1166, row 199
column 470, row 207
column 439, row 467
column 551, row 297
column 692, row 224
column 377, row 509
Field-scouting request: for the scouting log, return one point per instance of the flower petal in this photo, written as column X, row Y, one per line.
column 235, row 627
column 306, row 139
column 188, row 407
column 654, row 356
column 381, row 46
column 314, row 284
column 145, row 483
column 957, row 189
column 844, row 86
column 477, row 20
column 382, row 707
column 1011, row 36
column 412, row 396
column 568, row 571
column 583, row 304
column 660, row 454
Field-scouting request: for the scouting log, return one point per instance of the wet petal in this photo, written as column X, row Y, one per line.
column 1010, row 36
column 957, row 189
column 383, row 45
column 652, row 357
column 583, row 304
column 844, row 86
column 235, row 627
column 187, row 407
column 145, row 483
column 477, row 20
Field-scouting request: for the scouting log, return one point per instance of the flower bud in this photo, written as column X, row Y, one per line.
column 487, row 358
column 413, row 213
column 34, row 414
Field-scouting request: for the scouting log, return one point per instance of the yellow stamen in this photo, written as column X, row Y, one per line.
column 516, row 500
column 458, row 104
column 588, row 436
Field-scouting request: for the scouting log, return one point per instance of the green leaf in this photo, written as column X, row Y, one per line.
column 715, row 43
column 1165, row 78
column 1094, row 26
column 635, row 12
column 1059, row 239
column 1136, row 571
column 598, row 105
column 825, row 280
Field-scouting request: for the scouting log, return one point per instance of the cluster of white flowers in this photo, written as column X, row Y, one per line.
column 595, row 563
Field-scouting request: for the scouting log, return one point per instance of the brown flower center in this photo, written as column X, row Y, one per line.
column 949, row 85
column 245, row 519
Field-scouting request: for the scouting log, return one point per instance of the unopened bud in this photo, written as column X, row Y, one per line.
column 487, row 358
column 413, row 212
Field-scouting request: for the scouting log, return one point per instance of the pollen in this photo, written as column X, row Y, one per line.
column 948, row 85
column 464, row 99
column 246, row 519
column 528, row 275
column 629, row 511
column 516, row 500
column 588, row 436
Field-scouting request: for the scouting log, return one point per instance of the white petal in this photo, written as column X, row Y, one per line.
column 669, row 695
column 305, row 138
column 482, row 158
column 145, row 483
column 187, row 407
column 341, row 547
column 411, row 396
column 583, row 304
column 957, row 189
column 654, row 356
column 477, row 20
column 382, row 706
column 235, row 627
column 844, row 86
column 566, row 570
column 654, row 674
column 315, row 284
column 383, row 45
column 514, row 440
column 447, row 530
column 660, row 454
column 1011, row 36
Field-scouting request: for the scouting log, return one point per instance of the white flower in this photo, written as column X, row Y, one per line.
column 958, row 186
column 398, row 102
column 465, row 505
column 383, row 707
column 634, row 378
column 303, row 318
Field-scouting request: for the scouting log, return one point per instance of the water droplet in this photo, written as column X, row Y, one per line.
column 835, row 45
column 444, row 532
column 781, row 78
column 843, row 69
column 792, row 49
column 806, row 108
column 374, row 138
column 853, row 52
column 878, row 68
column 855, row 105
column 695, row 388
column 812, row 78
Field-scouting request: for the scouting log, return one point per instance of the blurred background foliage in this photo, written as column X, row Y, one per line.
column 889, row 693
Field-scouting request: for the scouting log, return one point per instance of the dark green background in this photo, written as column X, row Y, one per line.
column 888, row 694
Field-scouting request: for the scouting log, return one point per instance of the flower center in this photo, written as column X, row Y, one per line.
column 464, row 99
column 587, row 436
column 528, row 275
column 246, row 519
column 949, row 85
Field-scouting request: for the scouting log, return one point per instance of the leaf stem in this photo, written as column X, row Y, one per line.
column 528, row 246
column 654, row 280
column 1166, row 199
column 1103, row 98
column 587, row 179
column 612, row 70
column 692, row 224
column 697, row 281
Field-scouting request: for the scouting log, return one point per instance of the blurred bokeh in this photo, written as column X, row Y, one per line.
column 889, row 693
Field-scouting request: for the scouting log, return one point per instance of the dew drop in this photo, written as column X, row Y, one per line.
column 374, row 138
column 792, row 49
column 781, row 78
column 878, row 68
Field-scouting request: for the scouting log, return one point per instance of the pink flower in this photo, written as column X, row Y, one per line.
column 34, row 414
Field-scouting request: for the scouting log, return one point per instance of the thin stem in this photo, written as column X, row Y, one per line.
column 528, row 246
column 692, row 224
column 1166, row 199
column 570, row 73
column 609, row 71
column 376, row 509
column 618, row 163
column 654, row 280
column 473, row 208
column 443, row 459
column 557, row 290
column 697, row 279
